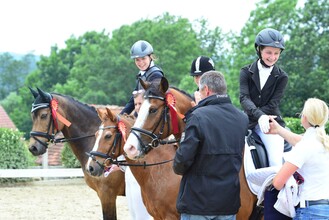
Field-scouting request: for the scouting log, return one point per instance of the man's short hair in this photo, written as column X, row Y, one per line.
column 215, row 81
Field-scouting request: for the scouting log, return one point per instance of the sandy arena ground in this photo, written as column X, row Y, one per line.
column 61, row 199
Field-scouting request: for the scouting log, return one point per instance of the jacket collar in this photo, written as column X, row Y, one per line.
column 275, row 73
column 210, row 100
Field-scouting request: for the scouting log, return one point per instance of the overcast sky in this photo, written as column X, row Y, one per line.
column 33, row 26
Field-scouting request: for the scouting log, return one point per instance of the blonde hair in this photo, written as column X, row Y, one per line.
column 153, row 57
column 317, row 114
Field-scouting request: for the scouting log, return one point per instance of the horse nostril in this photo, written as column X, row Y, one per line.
column 33, row 149
column 91, row 169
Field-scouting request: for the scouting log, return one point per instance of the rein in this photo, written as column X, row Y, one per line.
column 93, row 155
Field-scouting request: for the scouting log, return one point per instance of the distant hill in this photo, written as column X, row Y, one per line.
column 14, row 68
column 18, row 56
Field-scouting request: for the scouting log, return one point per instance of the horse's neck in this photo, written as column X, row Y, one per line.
column 183, row 104
column 84, row 122
column 148, row 176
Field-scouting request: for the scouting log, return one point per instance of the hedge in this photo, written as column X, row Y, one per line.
column 14, row 152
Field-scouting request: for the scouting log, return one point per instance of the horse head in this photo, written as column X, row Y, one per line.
column 110, row 138
column 45, row 112
column 160, row 116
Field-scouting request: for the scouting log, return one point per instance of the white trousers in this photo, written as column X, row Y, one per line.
column 274, row 145
column 134, row 198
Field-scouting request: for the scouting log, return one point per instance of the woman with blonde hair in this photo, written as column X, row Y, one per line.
column 310, row 157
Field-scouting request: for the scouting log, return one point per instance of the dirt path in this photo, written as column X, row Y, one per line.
column 69, row 199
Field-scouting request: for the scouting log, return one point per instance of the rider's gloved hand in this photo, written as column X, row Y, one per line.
column 264, row 123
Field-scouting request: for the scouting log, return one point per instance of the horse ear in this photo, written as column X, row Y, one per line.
column 45, row 96
column 34, row 93
column 164, row 85
column 144, row 84
column 101, row 113
column 110, row 114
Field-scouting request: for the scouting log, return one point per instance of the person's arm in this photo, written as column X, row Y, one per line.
column 129, row 107
column 286, row 171
column 289, row 136
column 245, row 100
column 188, row 148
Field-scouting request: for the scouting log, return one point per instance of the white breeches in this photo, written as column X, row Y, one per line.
column 274, row 145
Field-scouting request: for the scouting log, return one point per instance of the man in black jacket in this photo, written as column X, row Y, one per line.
column 210, row 154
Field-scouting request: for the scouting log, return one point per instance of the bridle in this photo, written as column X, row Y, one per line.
column 50, row 134
column 155, row 138
column 109, row 156
column 111, row 152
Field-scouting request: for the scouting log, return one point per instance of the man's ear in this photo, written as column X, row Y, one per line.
column 206, row 90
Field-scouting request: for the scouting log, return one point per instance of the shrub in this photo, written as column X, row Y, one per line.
column 69, row 160
column 295, row 125
column 14, row 152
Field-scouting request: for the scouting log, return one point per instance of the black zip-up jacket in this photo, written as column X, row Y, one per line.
column 154, row 72
column 256, row 102
column 210, row 157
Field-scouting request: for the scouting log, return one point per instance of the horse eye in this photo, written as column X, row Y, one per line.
column 108, row 136
column 44, row 116
column 153, row 110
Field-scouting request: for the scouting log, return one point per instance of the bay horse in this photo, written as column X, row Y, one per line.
column 53, row 113
column 160, row 116
column 159, row 184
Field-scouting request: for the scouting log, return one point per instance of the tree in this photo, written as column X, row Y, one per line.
column 13, row 72
column 306, row 59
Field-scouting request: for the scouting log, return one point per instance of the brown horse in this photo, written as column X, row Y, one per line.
column 158, row 118
column 53, row 113
column 159, row 184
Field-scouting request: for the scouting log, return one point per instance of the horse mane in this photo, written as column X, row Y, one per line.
column 182, row 91
column 70, row 98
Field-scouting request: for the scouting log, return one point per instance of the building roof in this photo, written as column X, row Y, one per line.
column 5, row 121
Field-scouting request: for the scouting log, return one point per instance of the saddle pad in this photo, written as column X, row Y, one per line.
column 249, row 167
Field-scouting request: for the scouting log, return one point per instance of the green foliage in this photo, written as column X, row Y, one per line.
column 294, row 125
column 68, row 158
column 306, row 57
column 13, row 72
column 14, row 152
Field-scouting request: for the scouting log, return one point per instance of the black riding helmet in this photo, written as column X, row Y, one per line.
column 201, row 65
column 269, row 37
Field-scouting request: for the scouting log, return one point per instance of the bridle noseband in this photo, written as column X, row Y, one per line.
column 36, row 134
column 50, row 136
column 111, row 152
column 156, row 139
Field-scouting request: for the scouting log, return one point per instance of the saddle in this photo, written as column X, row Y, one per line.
column 258, row 150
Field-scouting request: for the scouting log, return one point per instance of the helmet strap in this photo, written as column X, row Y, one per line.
column 263, row 63
column 260, row 57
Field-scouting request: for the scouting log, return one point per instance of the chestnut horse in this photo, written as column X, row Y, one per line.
column 159, row 184
column 53, row 113
column 160, row 116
